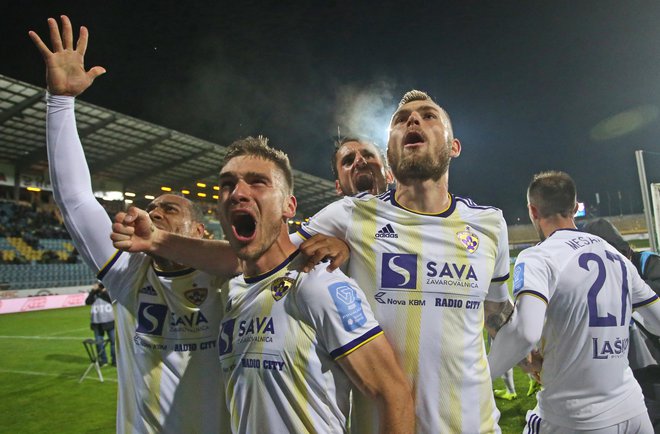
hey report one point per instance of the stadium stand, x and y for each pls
(37, 251)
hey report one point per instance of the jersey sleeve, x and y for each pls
(532, 276)
(502, 261)
(331, 221)
(337, 309)
(85, 219)
(498, 290)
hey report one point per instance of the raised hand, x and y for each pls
(65, 68)
(133, 231)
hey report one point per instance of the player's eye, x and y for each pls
(259, 181)
(226, 185)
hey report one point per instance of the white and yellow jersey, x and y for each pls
(426, 278)
(281, 335)
(591, 290)
(167, 330)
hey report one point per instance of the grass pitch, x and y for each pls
(42, 358)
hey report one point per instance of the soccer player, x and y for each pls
(291, 342)
(575, 294)
(358, 165)
(432, 265)
(167, 315)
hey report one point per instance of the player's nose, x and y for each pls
(240, 191)
(360, 161)
(413, 119)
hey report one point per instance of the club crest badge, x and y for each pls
(280, 287)
(197, 296)
(469, 239)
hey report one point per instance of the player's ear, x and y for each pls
(338, 189)
(290, 205)
(455, 148)
(198, 230)
(389, 176)
(533, 211)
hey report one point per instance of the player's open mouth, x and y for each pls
(413, 138)
(244, 226)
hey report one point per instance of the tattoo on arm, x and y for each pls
(495, 320)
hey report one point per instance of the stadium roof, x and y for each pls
(139, 155)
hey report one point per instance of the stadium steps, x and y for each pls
(29, 276)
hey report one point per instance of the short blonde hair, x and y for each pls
(418, 95)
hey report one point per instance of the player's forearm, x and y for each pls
(212, 256)
(516, 339)
(397, 410)
(85, 219)
(496, 314)
(68, 168)
(507, 350)
(374, 369)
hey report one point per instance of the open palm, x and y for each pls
(65, 67)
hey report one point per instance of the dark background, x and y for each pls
(530, 86)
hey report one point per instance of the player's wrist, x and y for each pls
(158, 240)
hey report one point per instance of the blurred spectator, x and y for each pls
(102, 322)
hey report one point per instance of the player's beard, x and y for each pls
(364, 182)
(420, 167)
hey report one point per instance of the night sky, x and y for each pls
(529, 87)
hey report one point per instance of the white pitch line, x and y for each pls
(68, 331)
(46, 374)
(53, 338)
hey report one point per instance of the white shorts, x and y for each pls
(640, 424)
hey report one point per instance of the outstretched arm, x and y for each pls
(85, 219)
(373, 368)
(133, 231)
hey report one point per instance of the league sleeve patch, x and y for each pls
(518, 277)
(349, 305)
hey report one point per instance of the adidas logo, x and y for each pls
(386, 232)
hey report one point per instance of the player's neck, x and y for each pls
(553, 224)
(428, 196)
(277, 253)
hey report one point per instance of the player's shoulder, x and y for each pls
(320, 279)
(466, 204)
(557, 248)
(366, 197)
(319, 276)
